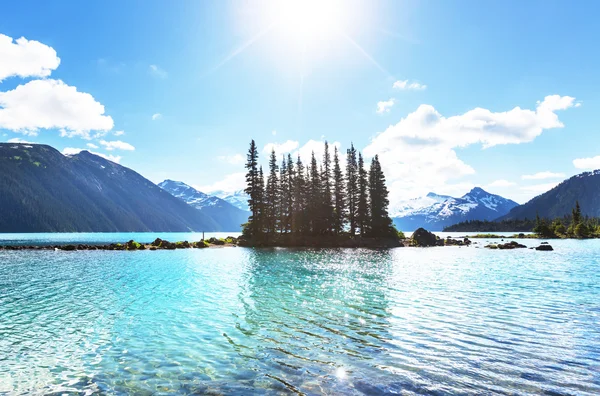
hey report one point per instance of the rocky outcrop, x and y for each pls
(545, 247)
(423, 238)
(505, 246)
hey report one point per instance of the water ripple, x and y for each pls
(239, 321)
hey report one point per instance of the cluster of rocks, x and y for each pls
(423, 238)
(158, 244)
(504, 246)
(515, 245)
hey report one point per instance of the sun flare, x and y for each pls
(309, 21)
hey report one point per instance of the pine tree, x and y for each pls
(299, 199)
(352, 188)
(381, 224)
(339, 196)
(283, 196)
(362, 210)
(253, 191)
(261, 203)
(315, 199)
(272, 196)
(576, 213)
(289, 199)
(327, 198)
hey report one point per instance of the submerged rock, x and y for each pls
(505, 246)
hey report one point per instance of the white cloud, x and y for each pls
(158, 72)
(156, 116)
(18, 140)
(26, 58)
(385, 106)
(235, 159)
(49, 104)
(281, 148)
(116, 145)
(92, 146)
(317, 147)
(119, 133)
(230, 183)
(591, 163)
(405, 85)
(418, 153)
(501, 183)
(69, 151)
(543, 175)
(540, 188)
(274, 132)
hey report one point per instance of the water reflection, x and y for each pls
(269, 321)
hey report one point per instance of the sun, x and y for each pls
(309, 21)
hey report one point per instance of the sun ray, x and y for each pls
(365, 54)
(242, 48)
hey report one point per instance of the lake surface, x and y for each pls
(270, 321)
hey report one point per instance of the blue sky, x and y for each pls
(451, 94)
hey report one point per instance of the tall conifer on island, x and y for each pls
(289, 197)
(352, 187)
(299, 203)
(362, 209)
(327, 202)
(339, 196)
(272, 196)
(253, 191)
(315, 202)
(381, 224)
(261, 203)
(317, 199)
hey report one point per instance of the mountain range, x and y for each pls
(560, 200)
(42, 190)
(434, 212)
(228, 216)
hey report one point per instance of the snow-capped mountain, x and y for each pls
(434, 212)
(228, 216)
(405, 208)
(239, 198)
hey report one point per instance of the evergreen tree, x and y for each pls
(272, 196)
(283, 196)
(352, 190)
(253, 191)
(299, 203)
(289, 197)
(327, 198)
(576, 213)
(339, 214)
(315, 198)
(381, 224)
(362, 209)
(261, 203)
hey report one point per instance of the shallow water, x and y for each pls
(235, 320)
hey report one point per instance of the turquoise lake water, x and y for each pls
(276, 321)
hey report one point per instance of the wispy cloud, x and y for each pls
(501, 183)
(116, 145)
(543, 175)
(156, 116)
(156, 71)
(385, 106)
(235, 159)
(281, 148)
(405, 85)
